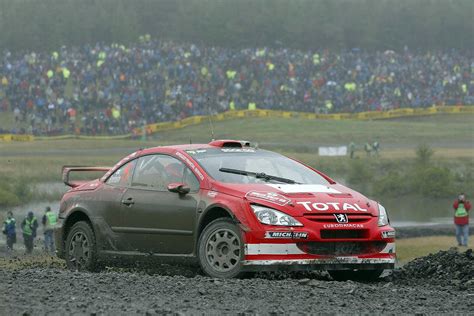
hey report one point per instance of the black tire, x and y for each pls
(355, 275)
(221, 249)
(80, 248)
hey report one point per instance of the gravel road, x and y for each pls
(44, 287)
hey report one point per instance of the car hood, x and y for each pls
(302, 199)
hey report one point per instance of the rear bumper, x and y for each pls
(59, 238)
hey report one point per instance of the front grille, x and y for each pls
(342, 248)
(344, 234)
(330, 218)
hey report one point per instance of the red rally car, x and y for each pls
(232, 207)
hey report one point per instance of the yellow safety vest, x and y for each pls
(27, 229)
(66, 73)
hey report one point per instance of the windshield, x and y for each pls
(253, 161)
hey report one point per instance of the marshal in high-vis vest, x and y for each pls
(461, 208)
(50, 219)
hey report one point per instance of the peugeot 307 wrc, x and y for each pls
(232, 207)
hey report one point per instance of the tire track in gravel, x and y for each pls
(57, 291)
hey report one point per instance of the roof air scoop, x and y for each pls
(228, 143)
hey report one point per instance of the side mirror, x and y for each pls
(179, 188)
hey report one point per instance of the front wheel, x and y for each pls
(357, 275)
(80, 248)
(220, 249)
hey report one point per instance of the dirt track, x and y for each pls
(37, 286)
(46, 291)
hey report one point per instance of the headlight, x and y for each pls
(269, 216)
(383, 216)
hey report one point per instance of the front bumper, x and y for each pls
(288, 256)
(318, 264)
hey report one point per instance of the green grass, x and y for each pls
(28, 159)
(67, 144)
(37, 260)
(449, 129)
(411, 248)
(44, 169)
(41, 161)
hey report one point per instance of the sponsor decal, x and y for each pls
(303, 188)
(347, 225)
(212, 194)
(388, 234)
(341, 218)
(198, 172)
(287, 234)
(336, 206)
(238, 150)
(193, 152)
(190, 164)
(268, 196)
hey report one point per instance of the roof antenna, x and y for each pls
(210, 119)
(212, 127)
(190, 140)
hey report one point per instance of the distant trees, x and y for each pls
(368, 24)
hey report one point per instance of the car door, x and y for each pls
(156, 220)
(109, 207)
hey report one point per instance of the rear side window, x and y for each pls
(123, 175)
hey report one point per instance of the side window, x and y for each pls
(155, 172)
(191, 180)
(123, 175)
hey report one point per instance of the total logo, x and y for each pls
(318, 206)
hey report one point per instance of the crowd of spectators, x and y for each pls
(112, 89)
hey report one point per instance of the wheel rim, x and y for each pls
(79, 250)
(223, 250)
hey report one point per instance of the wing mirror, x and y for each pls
(180, 188)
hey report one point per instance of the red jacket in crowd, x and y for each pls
(465, 219)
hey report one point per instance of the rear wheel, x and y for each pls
(220, 249)
(356, 275)
(80, 248)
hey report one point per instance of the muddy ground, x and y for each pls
(440, 283)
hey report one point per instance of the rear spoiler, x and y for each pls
(68, 169)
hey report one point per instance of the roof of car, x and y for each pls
(213, 144)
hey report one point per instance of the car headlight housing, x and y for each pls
(269, 216)
(383, 216)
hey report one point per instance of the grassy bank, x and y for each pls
(397, 171)
(405, 132)
(411, 248)
(440, 177)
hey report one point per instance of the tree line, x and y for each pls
(305, 24)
